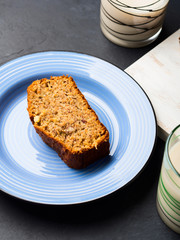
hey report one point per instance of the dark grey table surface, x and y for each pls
(129, 213)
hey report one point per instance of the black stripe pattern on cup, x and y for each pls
(133, 32)
(141, 8)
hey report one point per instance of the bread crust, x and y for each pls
(74, 159)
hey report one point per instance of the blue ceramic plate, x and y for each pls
(32, 171)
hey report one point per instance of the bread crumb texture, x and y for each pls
(59, 110)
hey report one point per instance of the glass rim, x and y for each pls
(167, 149)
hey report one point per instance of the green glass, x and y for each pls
(168, 194)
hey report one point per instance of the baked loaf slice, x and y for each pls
(65, 121)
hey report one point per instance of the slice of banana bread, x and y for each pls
(65, 121)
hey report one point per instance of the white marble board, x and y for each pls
(158, 73)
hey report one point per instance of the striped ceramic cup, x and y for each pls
(168, 195)
(132, 23)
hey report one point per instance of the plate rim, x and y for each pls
(153, 145)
